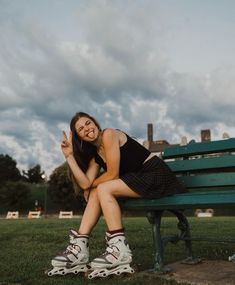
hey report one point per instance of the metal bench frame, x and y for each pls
(207, 169)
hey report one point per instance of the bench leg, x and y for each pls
(154, 218)
(185, 235)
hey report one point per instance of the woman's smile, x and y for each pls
(91, 134)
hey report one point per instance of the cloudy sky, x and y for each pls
(126, 62)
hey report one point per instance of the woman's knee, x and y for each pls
(100, 188)
(103, 189)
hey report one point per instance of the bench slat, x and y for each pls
(183, 201)
(220, 162)
(208, 180)
(227, 145)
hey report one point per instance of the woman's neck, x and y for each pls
(98, 141)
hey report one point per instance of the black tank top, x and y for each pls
(132, 156)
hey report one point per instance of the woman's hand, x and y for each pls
(66, 145)
(86, 194)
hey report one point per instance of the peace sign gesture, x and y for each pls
(66, 144)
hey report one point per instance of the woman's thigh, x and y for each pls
(118, 188)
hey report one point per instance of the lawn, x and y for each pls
(27, 247)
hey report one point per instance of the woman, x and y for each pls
(130, 170)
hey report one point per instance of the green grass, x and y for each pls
(27, 247)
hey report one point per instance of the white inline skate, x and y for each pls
(116, 259)
(74, 259)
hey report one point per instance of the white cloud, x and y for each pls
(107, 58)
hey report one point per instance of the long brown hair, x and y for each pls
(83, 151)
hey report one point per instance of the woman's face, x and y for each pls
(86, 129)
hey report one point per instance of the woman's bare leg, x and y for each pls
(107, 194)
(91, 214)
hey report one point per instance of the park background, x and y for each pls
(126, 62)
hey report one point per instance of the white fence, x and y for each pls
(66, 215)
(208, 213)
(12, 215)
(37, 215)
(34, 214)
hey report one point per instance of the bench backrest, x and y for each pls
(208, 164)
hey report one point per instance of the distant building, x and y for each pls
(205, 135)
(158, 146)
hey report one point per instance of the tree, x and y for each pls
(14, 194)
(8, 169)
(61, 189)
(34, 174)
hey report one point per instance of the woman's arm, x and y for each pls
(110, 140)
(84, 180)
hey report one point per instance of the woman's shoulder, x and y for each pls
(108, 132)
(111, 133)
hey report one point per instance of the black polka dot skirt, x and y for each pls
(154, 180)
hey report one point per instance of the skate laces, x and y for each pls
(72, 248)
(72, 236)
(111, 247)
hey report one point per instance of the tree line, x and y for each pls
(16, 186)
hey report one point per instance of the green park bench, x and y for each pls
(207, 169)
